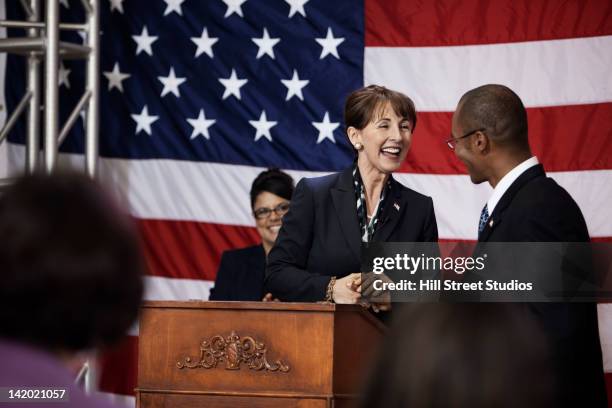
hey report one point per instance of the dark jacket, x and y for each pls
(240, 275)
(536, 209)
(320, 236)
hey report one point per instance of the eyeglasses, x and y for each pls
(452, 142)
(265, 212)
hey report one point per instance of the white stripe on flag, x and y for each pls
(604, 315)
(120, 401)
(458, 202)
(160, 288)
(218, 193)
(436, 77)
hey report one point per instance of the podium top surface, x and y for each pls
(289, 306)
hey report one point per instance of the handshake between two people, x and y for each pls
(358, 288)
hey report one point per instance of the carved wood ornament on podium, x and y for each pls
(234, 351)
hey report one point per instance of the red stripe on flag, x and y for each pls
(119, 367)
(190, 250)
(565, 138)
(397, 23)
(608, 378)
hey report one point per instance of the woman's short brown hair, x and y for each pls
(362, 105)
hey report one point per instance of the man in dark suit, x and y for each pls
(489, 135)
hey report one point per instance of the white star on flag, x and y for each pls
(116, 5)
(263, 127)
(171, 83)
(233, 6)
(64, 3)
(294, 86)
(204, 43)
(232, 85)
(173, 5)
(115, 78)
(201, 125)
(63, 76)
(297, 6)
(144, 41)
(144, 120)
(326, 128)
(329, 44)
(265, 44)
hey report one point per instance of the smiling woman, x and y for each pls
(317, 253)
(241, 271)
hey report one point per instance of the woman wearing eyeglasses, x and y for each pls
(241, 271)
(317, 254)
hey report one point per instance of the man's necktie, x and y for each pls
(484, 216)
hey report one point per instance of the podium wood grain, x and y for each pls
(327, 349)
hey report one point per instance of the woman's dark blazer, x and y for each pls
(240, 275)
(320, 236)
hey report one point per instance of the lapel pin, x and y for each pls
(396, 206)
(491, 224)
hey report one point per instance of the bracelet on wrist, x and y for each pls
(329, 294)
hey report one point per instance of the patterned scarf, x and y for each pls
(367, 228)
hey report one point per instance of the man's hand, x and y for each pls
(379, 300)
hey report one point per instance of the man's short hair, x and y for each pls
(497, 109)
(70, 264)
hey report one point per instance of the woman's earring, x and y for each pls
(358, 146)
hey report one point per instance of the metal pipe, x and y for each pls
(33, 84)
(21, 44)
(74, 50)
(93, 85)
(51, 84)
(27, 8)
(15, 115)
(38, 24)
(27, 45)
(74, 115)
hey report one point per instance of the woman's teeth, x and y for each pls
(394, 151)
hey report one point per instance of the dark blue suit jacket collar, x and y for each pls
(497, 216)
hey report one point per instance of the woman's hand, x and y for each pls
(268, 298)
(345, 291)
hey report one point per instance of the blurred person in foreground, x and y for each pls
(490, 136)
(241, 272)
(461, 356)
(70, 281)
(317, 254)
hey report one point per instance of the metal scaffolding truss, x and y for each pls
(42, 44)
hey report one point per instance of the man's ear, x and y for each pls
(354, 135)
(482, 142)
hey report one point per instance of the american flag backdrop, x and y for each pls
(199, 96)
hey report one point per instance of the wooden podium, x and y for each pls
(253, 354)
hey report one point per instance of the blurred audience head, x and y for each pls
(462, 355)
(270, 196)
(70, 264)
